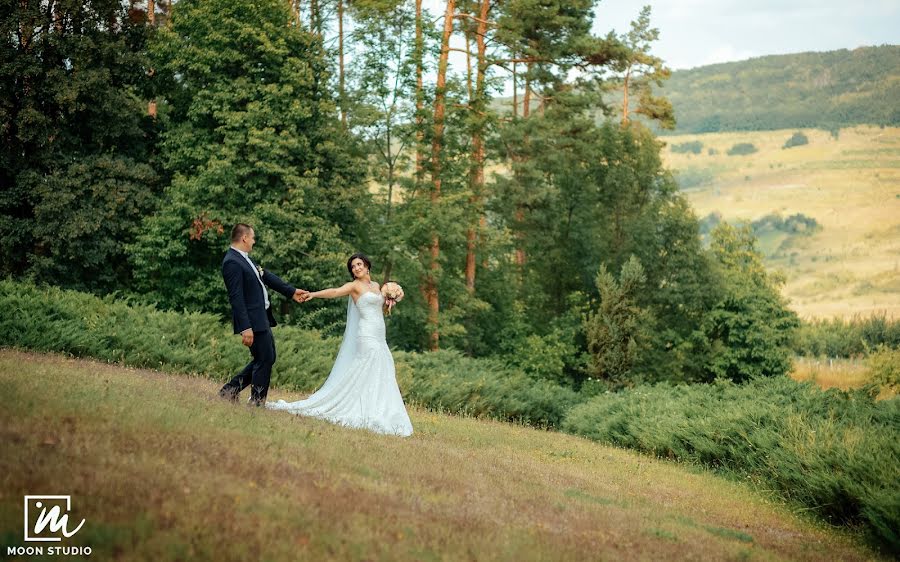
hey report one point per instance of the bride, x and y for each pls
(361, 390)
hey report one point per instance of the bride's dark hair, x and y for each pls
(365, 259)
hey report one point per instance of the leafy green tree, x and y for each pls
(750, 327)
(545, 35)
(682, 287)
(549, 201)
(382, 108)
(414, 223)
(582, 186)
(76, 146)
(251, 135)
(85, 215)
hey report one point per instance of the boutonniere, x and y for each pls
(259, 270)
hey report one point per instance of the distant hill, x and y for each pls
(825, 90)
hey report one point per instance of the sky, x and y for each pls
(700, 32)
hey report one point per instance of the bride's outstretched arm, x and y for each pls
(333, 293)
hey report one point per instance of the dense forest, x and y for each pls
(826, 90)
(135, 135)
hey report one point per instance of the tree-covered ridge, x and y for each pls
(824, 90)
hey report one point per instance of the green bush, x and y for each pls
(710, 222)
(837, 453)
(797, 139)
(884, 368)
(846, 338)
(797, 223)
(741, 149)
(694, 176)
(553, 357)
(449, 381)
(50, 319)
(694, 147)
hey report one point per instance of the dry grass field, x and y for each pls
(849, 184)
(161, 470)
(844, 374)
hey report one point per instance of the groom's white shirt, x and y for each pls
(253, 267)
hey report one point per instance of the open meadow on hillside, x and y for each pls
(849, 183)
(161, 470)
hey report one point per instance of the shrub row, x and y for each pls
(846, 338)
(112, 329)
(835, 452)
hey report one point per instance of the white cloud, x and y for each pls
(698, 32)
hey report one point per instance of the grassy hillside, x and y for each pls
(850, 185)
(812, 90)
(160, 470)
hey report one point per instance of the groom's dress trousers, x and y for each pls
(250, 309)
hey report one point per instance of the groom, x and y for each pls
(252, 315)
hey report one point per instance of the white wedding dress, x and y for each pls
(361, 390)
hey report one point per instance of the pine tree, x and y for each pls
(639, 71)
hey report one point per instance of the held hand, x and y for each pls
(247, 337)
(301, 296)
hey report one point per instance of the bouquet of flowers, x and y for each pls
(392, 293)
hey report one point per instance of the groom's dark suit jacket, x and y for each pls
(248, 305)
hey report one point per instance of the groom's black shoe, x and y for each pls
(228, 393)
(257, 396)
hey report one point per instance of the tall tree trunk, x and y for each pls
(436, 146)
(420, 99)
(388, 263)
(526, 107)
(515, 89)
(520, 236)
(625, 97)
(473, 170)
(477, 172)
(295, 12)
(151, 20)
(342, 93)
(468, 34)
(520, 208)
